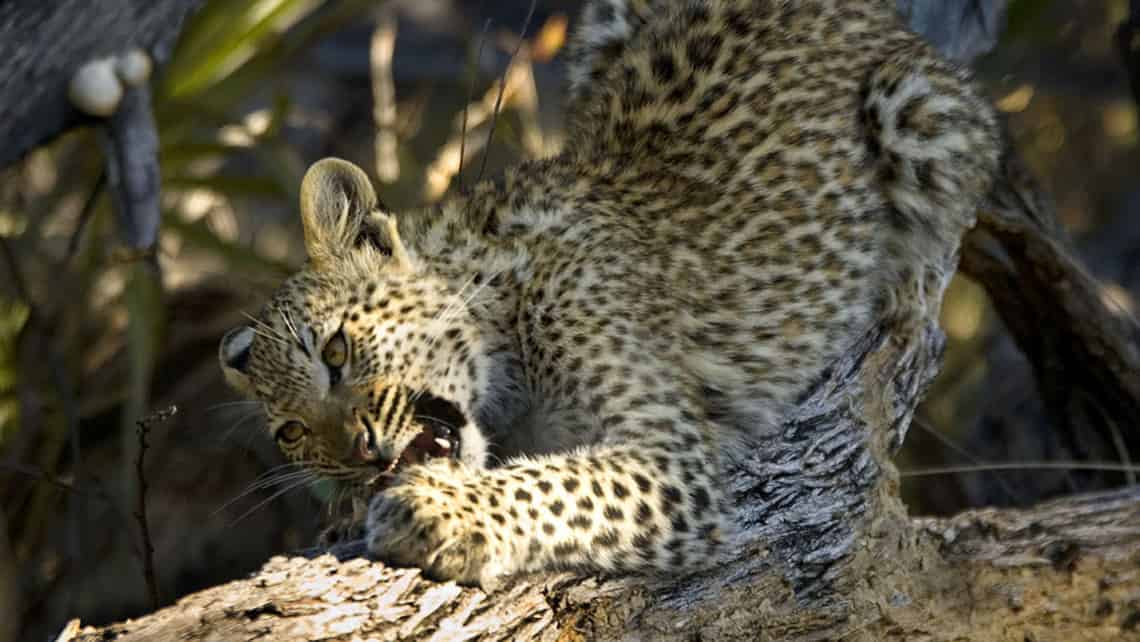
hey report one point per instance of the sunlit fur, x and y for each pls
(747, 185)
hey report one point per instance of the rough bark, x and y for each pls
(1066, 570)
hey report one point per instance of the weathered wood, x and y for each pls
(1065, 570)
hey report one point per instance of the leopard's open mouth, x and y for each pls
(440, 421)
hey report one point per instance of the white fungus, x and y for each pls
(133, 67)
(95, 89)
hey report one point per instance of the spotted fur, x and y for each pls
(748, 185)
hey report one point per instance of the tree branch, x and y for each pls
(1085, 350)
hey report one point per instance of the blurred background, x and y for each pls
(255, 92)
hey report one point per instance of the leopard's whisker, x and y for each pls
(334, 503)
(267, 331)
(287, 318)
(230, 404)
(277, 468)
(261, 484)
(269, 337)
(272, 497)
(252, 414)
(438, 421)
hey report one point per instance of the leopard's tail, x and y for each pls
(936, 146)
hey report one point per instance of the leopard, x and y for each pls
(554, 369)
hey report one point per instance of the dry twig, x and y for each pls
(503, 84)
(516, 89)
(144, 426)
(471, 91)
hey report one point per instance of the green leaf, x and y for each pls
(224, 36)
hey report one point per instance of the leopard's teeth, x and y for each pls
(443, 443)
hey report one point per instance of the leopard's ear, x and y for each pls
(337, 207)
(233, 354)
(390, 238)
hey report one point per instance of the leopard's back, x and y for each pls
(755, 180)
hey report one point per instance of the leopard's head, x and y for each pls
(366, 359)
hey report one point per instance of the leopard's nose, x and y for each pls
(364, 449)
(365, 452)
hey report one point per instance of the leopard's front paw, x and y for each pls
(349, 527)
(341, 532)
(427, 520)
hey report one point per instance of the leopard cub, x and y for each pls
(549, 372)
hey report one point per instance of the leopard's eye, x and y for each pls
(291, 432)
(335, 353)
